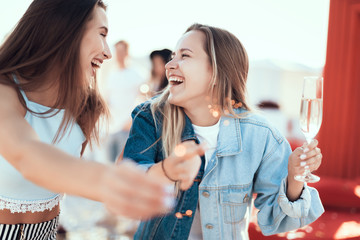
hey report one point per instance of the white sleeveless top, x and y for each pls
(20, 195)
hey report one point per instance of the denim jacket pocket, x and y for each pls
(234, 204)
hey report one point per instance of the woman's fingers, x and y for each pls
(306, 157)
(125, 208)
(131, 173)
(184, 163)
(299, 151)
(310, 154)
(187, 150)
(313, 162)
(131, 193)
(308, 147)
(186, 183)
(189, 171)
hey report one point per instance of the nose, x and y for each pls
(172, 64)
(107, 53)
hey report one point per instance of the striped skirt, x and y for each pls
(37, 231)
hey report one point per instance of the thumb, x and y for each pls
(186, 184)
(201, 149)
(184, 152)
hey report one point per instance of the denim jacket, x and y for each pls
(250, 157)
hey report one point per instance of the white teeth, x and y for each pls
(96, 62)
(175, 79)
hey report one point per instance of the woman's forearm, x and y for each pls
(294, 189)
(58, 171)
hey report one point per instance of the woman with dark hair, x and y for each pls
(158, 79)
(206, 103)
(49, 111)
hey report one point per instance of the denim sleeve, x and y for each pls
(276, 213)
(142, 142)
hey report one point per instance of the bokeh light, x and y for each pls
(180, 150)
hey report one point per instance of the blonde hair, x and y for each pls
(229, 61)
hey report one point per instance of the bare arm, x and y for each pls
(125, 189)
(180, 166)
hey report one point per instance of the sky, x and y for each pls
(290, 30)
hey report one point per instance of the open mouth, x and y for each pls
(95, 64)
(175, 80)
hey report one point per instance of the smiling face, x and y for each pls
(189, 72)
(94, 48)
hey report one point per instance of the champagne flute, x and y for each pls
(311, 112)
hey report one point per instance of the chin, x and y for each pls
(174, 101)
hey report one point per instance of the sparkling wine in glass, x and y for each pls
(311, 112)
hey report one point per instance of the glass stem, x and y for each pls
(307, 170)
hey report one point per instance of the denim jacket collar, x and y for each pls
(229, 129)
(188, 132)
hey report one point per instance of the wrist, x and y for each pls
(292, 182)
(165, 173)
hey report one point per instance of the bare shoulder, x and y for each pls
(9, 101)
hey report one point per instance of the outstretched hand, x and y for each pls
(130, 192)
(184, 163)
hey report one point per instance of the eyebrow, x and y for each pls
(105, 28)
(185, 49)
(182, 50)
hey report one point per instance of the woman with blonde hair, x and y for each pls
(201, 135)
(49, 111)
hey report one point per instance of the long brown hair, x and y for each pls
(230, 66)
(48, 37)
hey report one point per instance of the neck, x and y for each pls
(201, 116)
(121, 64)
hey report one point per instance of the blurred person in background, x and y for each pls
(122, 89)
(158, 80)
(50, 108)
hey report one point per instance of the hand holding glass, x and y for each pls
(311, 116)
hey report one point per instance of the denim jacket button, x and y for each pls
(209, 226)
(206, 194)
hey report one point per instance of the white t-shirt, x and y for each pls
(208, 135)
